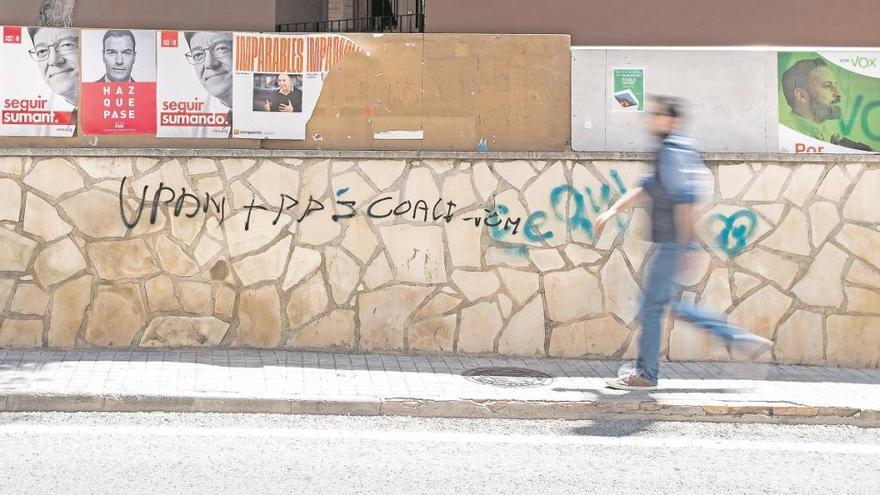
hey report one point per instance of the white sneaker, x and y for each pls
(629, 378)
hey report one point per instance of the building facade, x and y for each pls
(589, 22)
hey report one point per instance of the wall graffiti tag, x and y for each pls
(495, 217)
(584, 203)
(178, 199)
(736, 231)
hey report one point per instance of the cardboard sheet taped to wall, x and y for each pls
(512, 91)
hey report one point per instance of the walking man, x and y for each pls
(678, 181)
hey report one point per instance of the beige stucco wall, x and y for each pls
(73, 275)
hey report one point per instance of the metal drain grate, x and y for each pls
(508, 377)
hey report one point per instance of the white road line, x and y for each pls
(443, 437)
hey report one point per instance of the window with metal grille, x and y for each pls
(369, 16)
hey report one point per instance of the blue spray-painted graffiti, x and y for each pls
(578, 221)
(736, 230)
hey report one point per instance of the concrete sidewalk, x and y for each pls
(287, 382)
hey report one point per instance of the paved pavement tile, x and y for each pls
(288, 375)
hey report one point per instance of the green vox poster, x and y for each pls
(629, 90)
(829, 102)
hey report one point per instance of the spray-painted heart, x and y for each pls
(733, 237)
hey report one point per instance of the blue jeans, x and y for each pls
(659, 288)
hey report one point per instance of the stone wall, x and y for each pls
(468, 253)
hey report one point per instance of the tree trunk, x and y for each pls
(56, 13)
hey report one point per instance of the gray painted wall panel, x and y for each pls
(732, 96)
(587, 99)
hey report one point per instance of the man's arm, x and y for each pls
(631, 197)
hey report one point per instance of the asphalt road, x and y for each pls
(212, 453)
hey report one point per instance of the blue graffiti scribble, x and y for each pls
(578, 219)
(607, 198)
(532, 228)
(482, 147)
(733, 237)
(617, 180)
(517, 250)
(342, 191)
(499, 232)
(496, 231)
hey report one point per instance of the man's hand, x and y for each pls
(603, 219)
(267, 106)
(623, 203)
(286, 107)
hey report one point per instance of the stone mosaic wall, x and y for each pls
(486, 257)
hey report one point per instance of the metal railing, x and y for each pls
(406, 23)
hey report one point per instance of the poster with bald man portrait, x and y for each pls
(278, 80)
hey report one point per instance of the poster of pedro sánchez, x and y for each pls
(39, 81)
(118, 81)
(194, 84)
(278, 79)
(829, 102)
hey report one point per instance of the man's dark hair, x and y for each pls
(672, 106)
(798, 76)
(119, 33)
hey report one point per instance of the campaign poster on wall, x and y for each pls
(118, 81)
(194, 84)
(39, 83)
(278, 79)
(829, 102)
(628, 93)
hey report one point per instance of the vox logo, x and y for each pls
(863, 62)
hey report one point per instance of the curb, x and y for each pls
(452, 408)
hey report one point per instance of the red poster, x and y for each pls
(118, 81)
(119, 108)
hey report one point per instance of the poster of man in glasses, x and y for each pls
(194, 89)
(39, 83)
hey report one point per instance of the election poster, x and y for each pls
(278, 79)
(118, 81)
(829, 102)
(628, 93)
(194, 84)
(39, 83)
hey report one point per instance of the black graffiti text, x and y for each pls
(164, 195)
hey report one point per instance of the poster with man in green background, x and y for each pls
(829, 102)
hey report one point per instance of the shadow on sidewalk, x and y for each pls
(612, 428)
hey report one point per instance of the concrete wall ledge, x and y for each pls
(427, 155)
